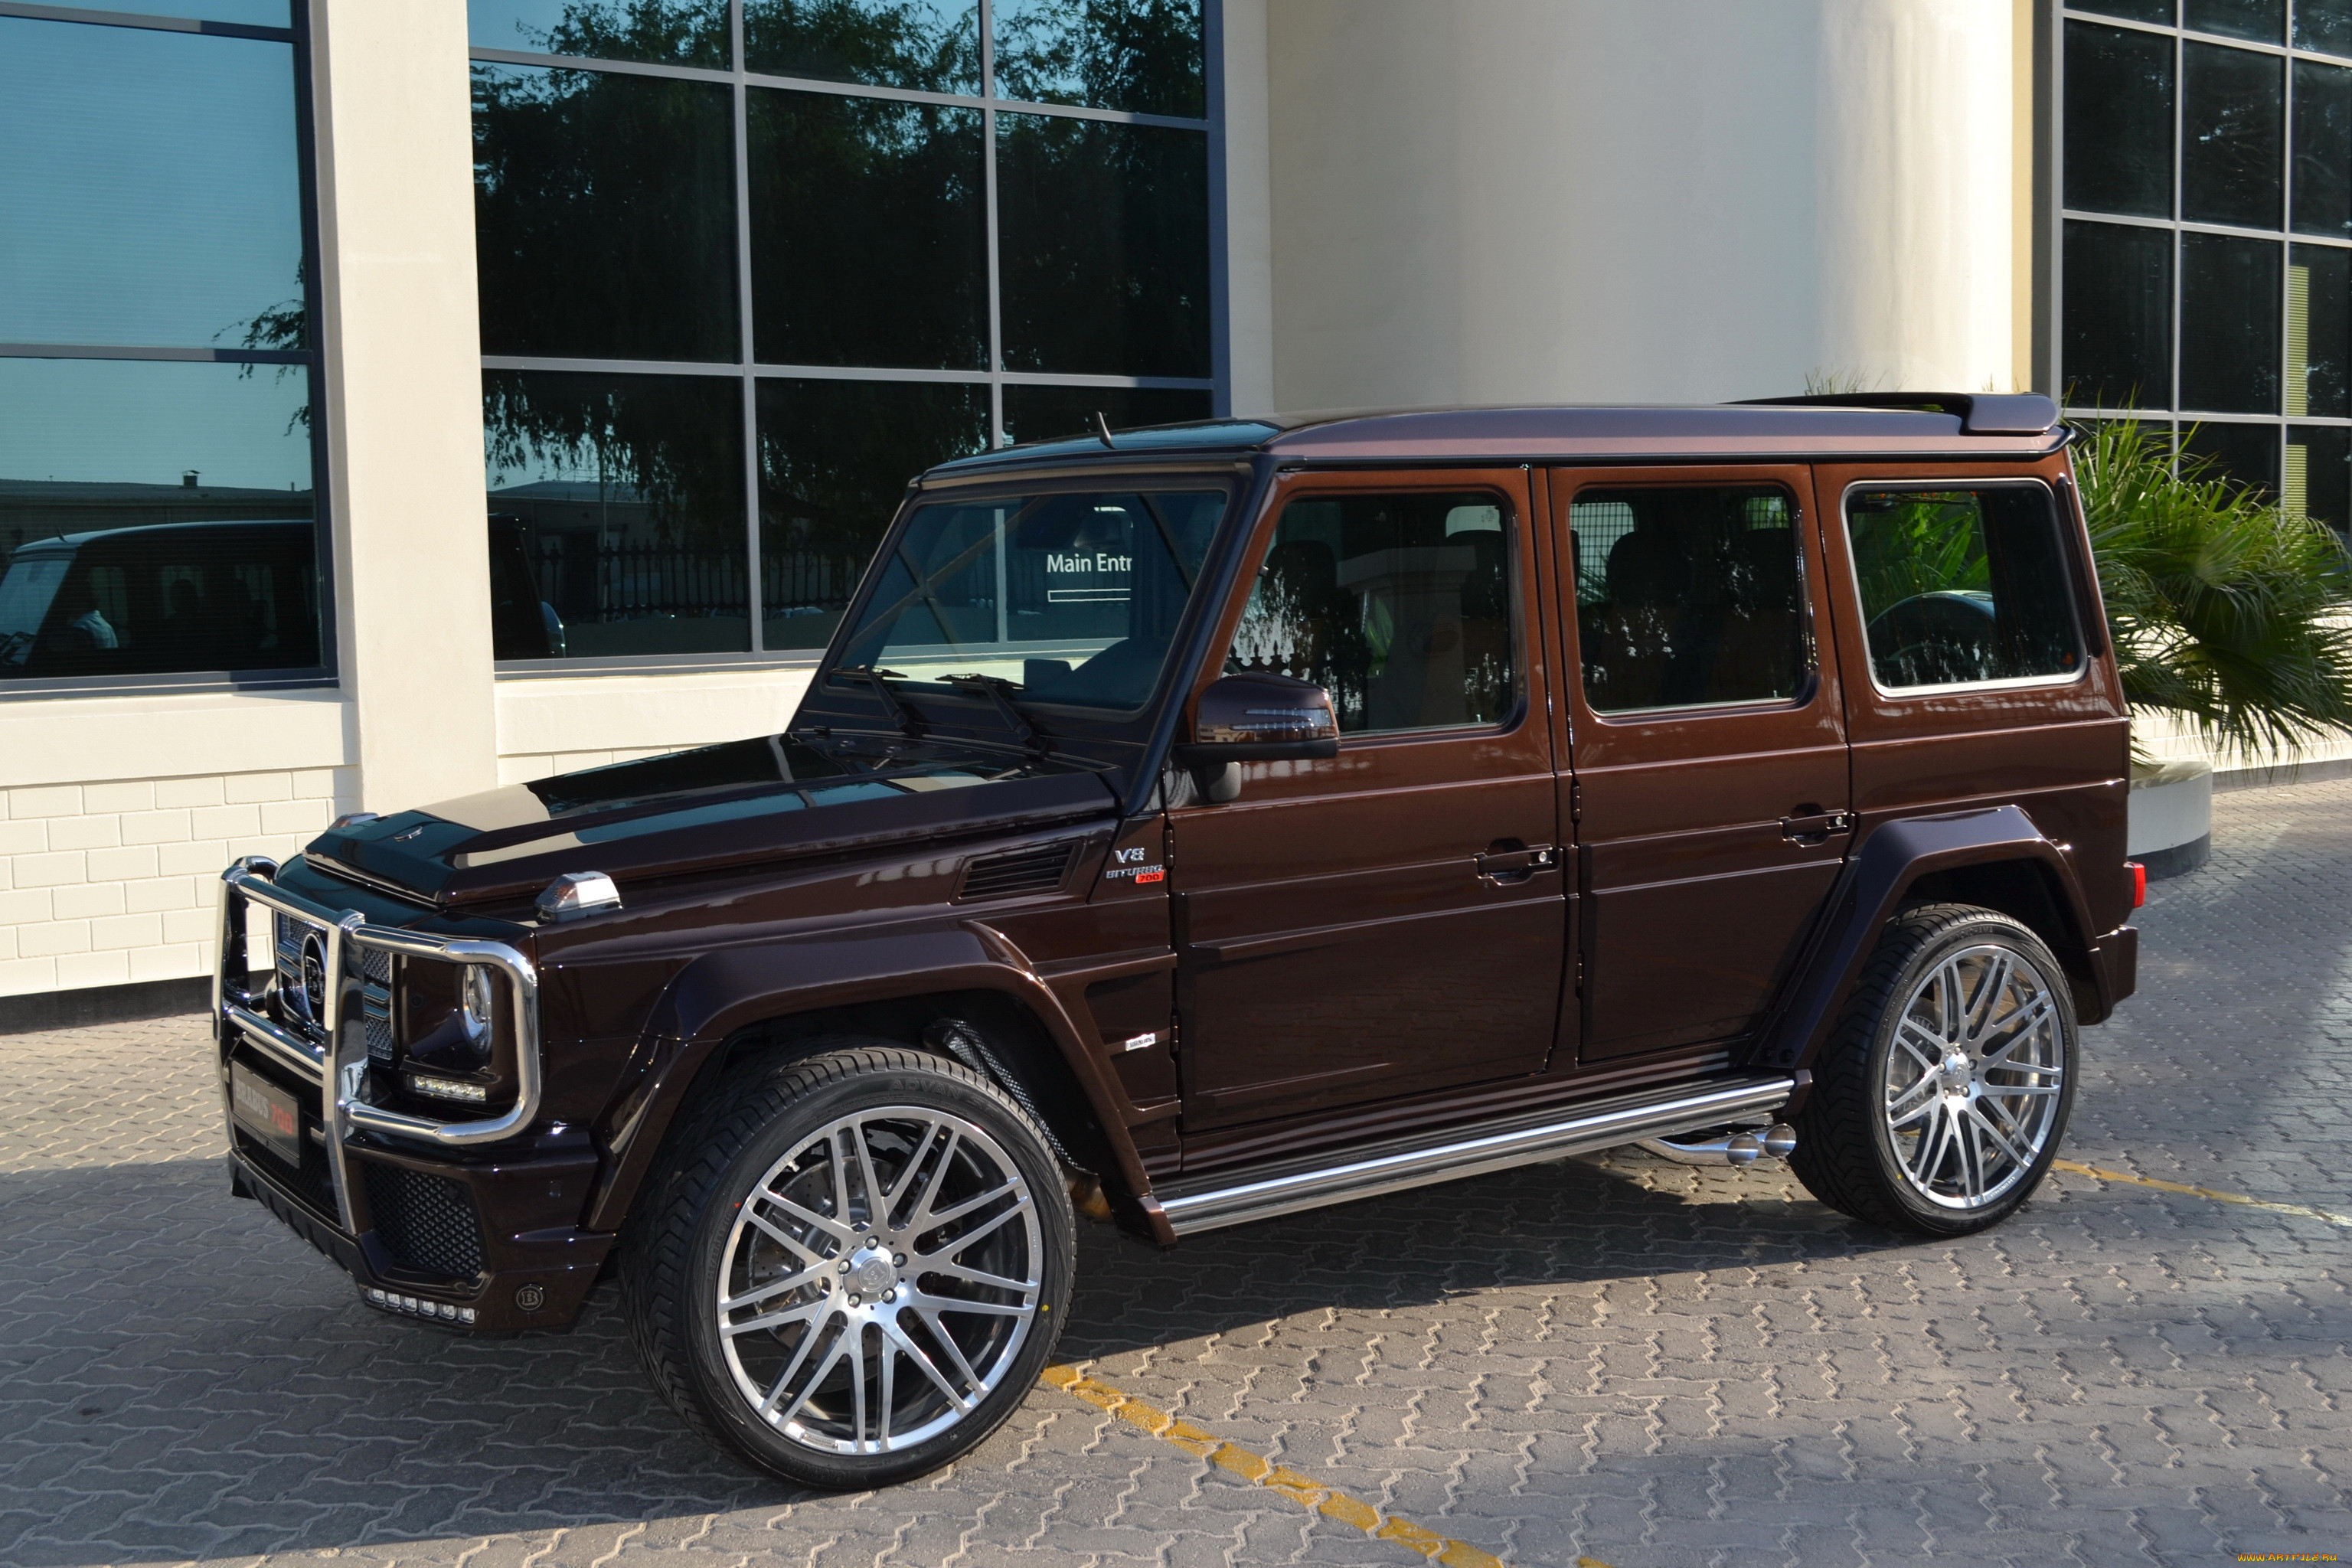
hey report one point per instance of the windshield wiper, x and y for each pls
(910, 724)
(996, 689)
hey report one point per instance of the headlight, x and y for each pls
(478, 1007)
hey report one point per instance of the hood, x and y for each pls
(735, 805)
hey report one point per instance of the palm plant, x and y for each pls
(2235, 615)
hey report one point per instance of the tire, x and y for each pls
(1938, 1103)
(745, 1292)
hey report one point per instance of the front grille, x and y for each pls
(426, 1222)
(1039, 870)
(375, 1004)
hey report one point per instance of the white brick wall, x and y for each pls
(104, 884)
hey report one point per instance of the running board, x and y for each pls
(1211, 1202)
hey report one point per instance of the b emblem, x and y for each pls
(311, 995)
(530, 1298)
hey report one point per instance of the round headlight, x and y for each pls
(477, 1005)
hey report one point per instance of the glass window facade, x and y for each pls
(2205, 240)
(158, 522)
(748, 266)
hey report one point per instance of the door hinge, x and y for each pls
(1575, 802)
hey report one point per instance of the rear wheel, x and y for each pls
(858, 1268)
(1938, 1104)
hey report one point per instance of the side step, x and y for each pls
(1211, 1202)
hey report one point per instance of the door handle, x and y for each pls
(1501, 865)
(1812, 825)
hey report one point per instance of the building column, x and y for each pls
(402, 343)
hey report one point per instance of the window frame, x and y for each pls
(749, 371)
(1806, 689)
(2066, 564)
(296, 35)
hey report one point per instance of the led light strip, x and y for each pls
(439, 1311)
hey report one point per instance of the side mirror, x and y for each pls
(1256, 718)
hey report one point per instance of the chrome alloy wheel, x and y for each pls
(1973, 1077)
(879, 1281)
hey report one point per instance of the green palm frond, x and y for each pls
(2229, 612)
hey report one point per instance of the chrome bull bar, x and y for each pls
(333, 1053)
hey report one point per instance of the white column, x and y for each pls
(1675, 200)
(402, 347)
(1249, 209)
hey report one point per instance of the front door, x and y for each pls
(1709, 744)
(1392, 921)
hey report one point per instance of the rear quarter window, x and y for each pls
(1961, 585)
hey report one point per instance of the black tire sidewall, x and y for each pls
(1983, 930)
(918, 1082)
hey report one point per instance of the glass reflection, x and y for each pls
(2247, 455)
(163, 207)
(1045, 413)
(2157, 11)
(605, 215)
(2322, 149)
(1104, 246)
(834, 459)
(154, 517)
(2229, 324)
(659, 32)
(621, 497)
(869, 232)
(2118, 310)
(933, 46)
(2231, 106)
(2264, 21)
(2325, 25)
(248, 13)
(2318, 477)
(2118, 121)
(2319, 332)
(1138, 55)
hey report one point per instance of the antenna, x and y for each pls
(1102, 431)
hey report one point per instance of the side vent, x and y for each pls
(1017, 871)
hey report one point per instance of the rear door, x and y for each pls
(1709, 753)
(1392, 921)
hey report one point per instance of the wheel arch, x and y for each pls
(1994, 858)
(779, 1000)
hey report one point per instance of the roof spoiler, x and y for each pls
(1980, 413)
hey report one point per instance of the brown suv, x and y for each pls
(1209, 822)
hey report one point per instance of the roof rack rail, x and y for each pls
(1980, 413)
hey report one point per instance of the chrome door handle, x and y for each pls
(1816, 825)
(1516, 865)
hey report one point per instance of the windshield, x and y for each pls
(1071, 597)
(25, 595)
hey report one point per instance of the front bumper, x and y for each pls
(466, 1224)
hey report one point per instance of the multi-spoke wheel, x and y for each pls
(859, 1270)
(1937, 1106)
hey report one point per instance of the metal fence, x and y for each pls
(630, 582)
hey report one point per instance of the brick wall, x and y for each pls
(104, 884)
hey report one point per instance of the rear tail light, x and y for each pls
(2139, 882)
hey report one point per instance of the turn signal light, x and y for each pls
(2139, 882)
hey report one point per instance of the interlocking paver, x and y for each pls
(1614, 1356)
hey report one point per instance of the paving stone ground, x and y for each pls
(1612, 1356)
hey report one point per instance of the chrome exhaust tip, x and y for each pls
(1780, 1140)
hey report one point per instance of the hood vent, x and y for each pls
(1017, 871)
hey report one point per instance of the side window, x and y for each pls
(1689, 597)
(1399, 606)
(1961, 585)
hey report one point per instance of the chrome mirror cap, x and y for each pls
(578, 893)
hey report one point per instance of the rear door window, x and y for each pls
(1689, 597)
(1962, 586)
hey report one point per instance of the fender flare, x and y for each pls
(1897, 854)
(728, 989)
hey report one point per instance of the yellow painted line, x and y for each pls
(1305, 1490)
(2299, 1210)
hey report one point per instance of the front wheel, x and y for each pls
(1937, 1106)
(857, 1271)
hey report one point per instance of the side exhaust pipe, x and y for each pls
(1727, 1148)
